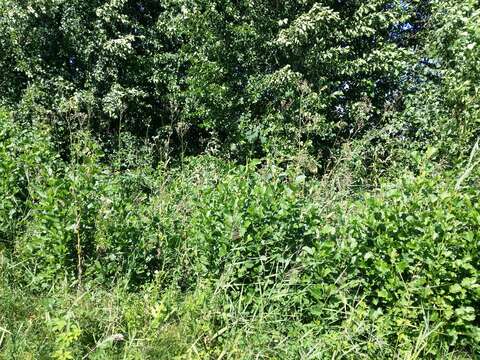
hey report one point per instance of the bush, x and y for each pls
(408, 256)
(24, 155)
(396, 270)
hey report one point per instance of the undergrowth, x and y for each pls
(217, 260)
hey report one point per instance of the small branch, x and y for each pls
(470, 165)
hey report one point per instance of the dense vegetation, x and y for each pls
(239, 179)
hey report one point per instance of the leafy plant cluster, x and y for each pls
(237, 78)
(253, 179)
(246, 244)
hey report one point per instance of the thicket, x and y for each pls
(237, 78)
(254, 179)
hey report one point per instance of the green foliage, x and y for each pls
(24, 154)
(441, 102)
(248, 229)
(395, 272)
(258, 243)
(241, 77)
(346, 224)
(407, 253)
(455, 45)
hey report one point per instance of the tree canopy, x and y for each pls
(248, 77)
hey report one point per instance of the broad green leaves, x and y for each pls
(410, 249)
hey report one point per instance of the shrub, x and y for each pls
(408, 254)
(24, 154)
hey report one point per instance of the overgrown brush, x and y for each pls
(125, 232)
(222, 253)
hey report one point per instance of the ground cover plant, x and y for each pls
(239, 179)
